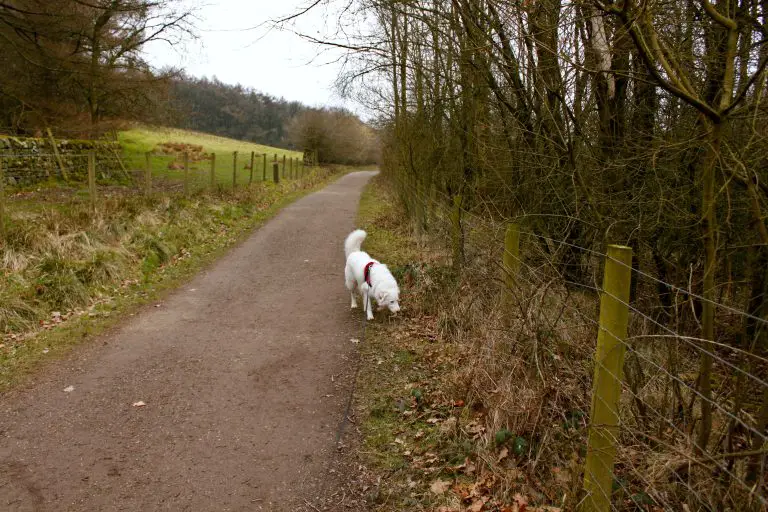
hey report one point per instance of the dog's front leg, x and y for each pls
(368, 305)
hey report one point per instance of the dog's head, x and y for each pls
(389, 299)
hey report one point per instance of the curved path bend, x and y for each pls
(244, 371)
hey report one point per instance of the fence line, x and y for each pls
(21, 168)
(737, 450)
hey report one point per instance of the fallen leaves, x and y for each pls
(429, 417)
(439, 487)
(449, 426)
(478, 504)
(475, 429)
(467, 467)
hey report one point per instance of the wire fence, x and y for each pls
(195, 169)
(601, 376)
(35, 177)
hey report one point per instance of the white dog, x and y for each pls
(372, 278)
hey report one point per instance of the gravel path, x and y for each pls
(244, 371)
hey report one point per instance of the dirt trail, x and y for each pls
(244, 372)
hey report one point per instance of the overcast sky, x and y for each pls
(272, 61)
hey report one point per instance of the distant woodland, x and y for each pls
(78, 67)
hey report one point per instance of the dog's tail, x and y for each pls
(354, 241)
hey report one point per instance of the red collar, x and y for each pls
(367, 272)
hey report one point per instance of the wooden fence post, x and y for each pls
(213, 171)
(264, 170)
(283, 166)
(186, 173)
(234, 170)
(607, 380)
(274, 162)
(2, 201)
(511, 259)
(458, 234)
(276, 171)
(253, 155)
(148, 173)
(92, 178)
(55, 149)
(291, 164)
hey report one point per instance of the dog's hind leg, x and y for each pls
(349, 281)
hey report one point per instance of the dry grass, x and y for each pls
(522, 369)
(61, 261)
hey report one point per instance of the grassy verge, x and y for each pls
(66, 272)
(424, 432)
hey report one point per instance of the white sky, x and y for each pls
(275, 62)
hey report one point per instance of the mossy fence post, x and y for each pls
(234, 170)
(92, 178)
(458, 234)
(56, 154)
(186, 173)
(607, 380)
(213, 171)
(276, 171)
(148, 173)
(283, 166)
(511, 258)
(253, 156)
(264, 169)
(2, 200)
(291, 161)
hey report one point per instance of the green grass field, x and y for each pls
(136, 142)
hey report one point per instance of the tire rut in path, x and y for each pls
(241, 371)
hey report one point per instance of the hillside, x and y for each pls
(141, 139)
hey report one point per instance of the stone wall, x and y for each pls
(27, 160)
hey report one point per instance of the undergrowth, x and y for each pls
(478, 399)
(63, 266)
(450, 405)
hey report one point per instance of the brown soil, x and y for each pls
(245, 373)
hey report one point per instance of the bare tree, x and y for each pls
(83, 54)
